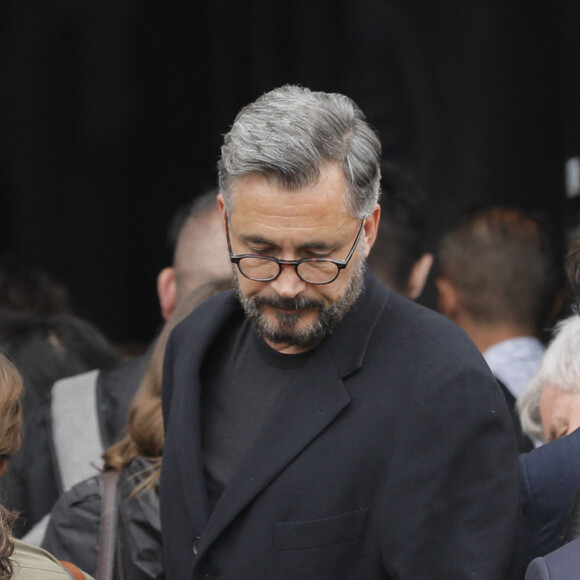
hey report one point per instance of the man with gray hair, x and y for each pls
(317, 424)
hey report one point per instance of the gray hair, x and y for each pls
(560, 367)
(288, 135)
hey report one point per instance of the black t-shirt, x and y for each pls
(244, 381)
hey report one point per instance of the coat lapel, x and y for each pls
(187, 408)
(190, 457)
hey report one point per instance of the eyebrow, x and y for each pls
(314, 245)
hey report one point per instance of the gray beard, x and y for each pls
(284, 331)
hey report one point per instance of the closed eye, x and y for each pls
(318, 256)
(557, 433)
(318, 251)
(269, 251)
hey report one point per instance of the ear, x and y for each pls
(167, 291)
(223, 213)
(418, 277)
(371, 228)
(448, 299)
(556, 309)
(3, 466)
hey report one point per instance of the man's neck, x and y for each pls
(485, 336)
(289, 348)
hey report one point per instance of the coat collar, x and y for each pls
(347, 345)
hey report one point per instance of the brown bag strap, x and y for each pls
(73, 570)
(108, 528)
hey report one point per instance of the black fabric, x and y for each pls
(573, 524)
(523, 442)
(115, 391)
(550, 477)
(73, 531)
(243, 382)
(394, 425)
(139, 524)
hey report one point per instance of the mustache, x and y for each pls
(297, 303)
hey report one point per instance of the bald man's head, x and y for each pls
(200, 254)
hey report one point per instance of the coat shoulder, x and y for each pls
(561, 564)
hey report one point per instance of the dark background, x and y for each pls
(112, 112)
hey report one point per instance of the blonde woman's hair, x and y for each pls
(145, 436)
(11, 390)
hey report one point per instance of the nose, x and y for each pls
(288, 284)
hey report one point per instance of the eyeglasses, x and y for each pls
(311, 270)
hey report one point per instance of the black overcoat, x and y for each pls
(391, 456)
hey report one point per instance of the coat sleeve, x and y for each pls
(73, 531)
(562, 564)
(167, 390)
(450, 508)
(538, 570)
(550, 476)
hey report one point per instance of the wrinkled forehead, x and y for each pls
(267, 211)
(329, 186)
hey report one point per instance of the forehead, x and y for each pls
(263, 201)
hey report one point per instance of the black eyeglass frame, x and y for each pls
(340, 264)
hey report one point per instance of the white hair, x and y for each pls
(560, 367)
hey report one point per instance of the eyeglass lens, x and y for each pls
(315, 271)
